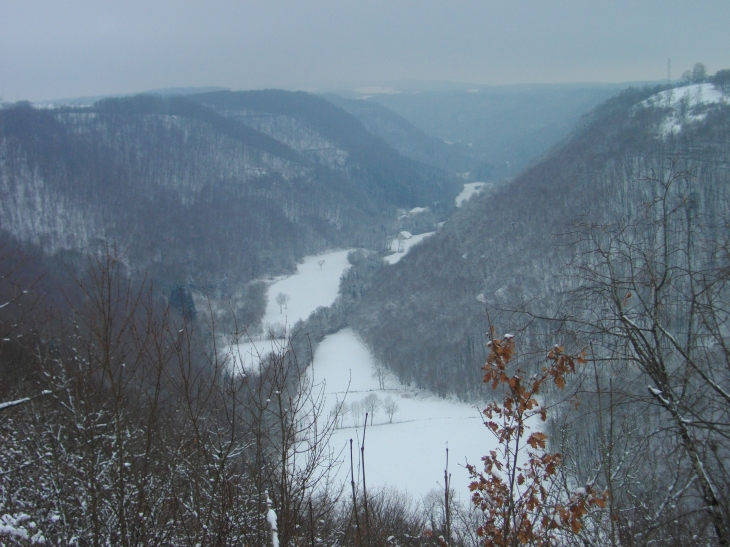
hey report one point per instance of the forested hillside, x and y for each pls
(614, 249)
(500, 128)
(408, 139)
(200, 198)
(425, 316)
(121, 422)
(343, 142)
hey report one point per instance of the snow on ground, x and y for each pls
(410, 452)
(312, 286)
(309, 288)
(20, 526)
(695, 94)
(246, 356)
(469, 190)
(686, 103)
(405, 245)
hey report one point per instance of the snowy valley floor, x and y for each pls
(409, 453)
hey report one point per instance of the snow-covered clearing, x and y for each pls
(695, 94)
(688, 104)
(405, 246)
(246, 356)
(469, 190)
(315, 284)
(409, 453)
(311, 287)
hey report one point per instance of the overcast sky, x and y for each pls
(70, 48)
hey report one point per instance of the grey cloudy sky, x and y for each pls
(53, 49)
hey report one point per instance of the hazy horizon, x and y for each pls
(356, 89)
(51, 50)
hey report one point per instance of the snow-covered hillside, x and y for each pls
(469, 190)
(695, 94)
(297, 134)
(685, 104)
(401, 247)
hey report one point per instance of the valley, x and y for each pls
(203, 296)
(406, 450)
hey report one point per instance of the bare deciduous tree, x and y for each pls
(381, 374)
(282, 299)
(654, 303)
(148, 438)
(357, 412)
(391, 407)
(371, 403)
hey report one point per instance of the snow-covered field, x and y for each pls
(405, 245)
(312, 286)
(410, 452)
(469, 190)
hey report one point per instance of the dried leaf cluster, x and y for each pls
(515, 490)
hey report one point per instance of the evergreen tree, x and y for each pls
(182, 301)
